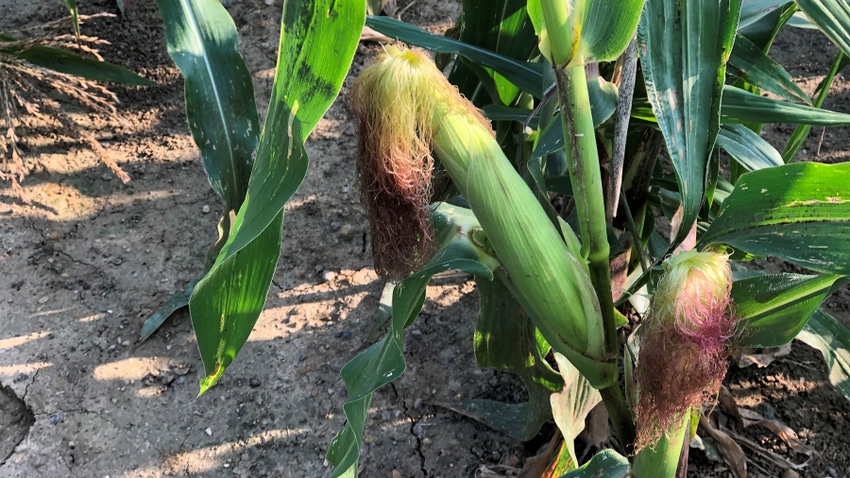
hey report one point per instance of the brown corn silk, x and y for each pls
(396, 102)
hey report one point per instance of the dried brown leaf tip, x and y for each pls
(684, 343)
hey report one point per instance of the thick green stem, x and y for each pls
(662, 459)
(586, 180)
(620, 415)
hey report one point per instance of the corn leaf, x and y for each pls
(832, 17)
(741, 107)
(571, 405)
(500, 26)
(71, 63)
(527, 76)
(750, 64)
(798, 212)
(75, 17)
(748, 148)
(683, 46)
(605, 464)
(202, 40)
(773, 308)
(384, 362)
(832, 338)
(754, 10)
(226, 303)
(505, 339)
(607, 27)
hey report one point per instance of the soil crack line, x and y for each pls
(416, 430)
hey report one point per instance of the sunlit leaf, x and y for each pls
(227, 302)
(798, 212)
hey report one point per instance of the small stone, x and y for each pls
(328, 276)
(346, 232)
(417, 403)
(71, 444)
(166, 378)
(208, 431)
(43, 299)
(205, 209)
(254, 382)
(426, 441)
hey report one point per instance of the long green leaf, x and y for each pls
(833, 19)
(832, 338)
(748, 148)
(527, 76)
(683, 47)
(71, 63)
(749, 63)
(384, 362)
(798, 212)
(741, 106)
(505, 339)
(801, 132)
(772, 309)
(202, 40)
(502, 27)
(227, 302)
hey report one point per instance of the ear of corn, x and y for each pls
(549, 281)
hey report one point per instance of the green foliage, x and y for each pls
(550, 74)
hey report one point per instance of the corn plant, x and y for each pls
(554, 145)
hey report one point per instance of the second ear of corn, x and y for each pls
(548, 279)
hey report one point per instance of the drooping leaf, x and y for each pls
(177, 301)
(832, 18)
(505, 339)
(772, 309)
(71, 63)
(202, 41)
(227, 302)
(798, 212)
(832, 338)
(527, 76)
(748, 148)
(754, 10)
(741, 106)
(749, 63)
(683, 47)
(571, 405)
(383, 362)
